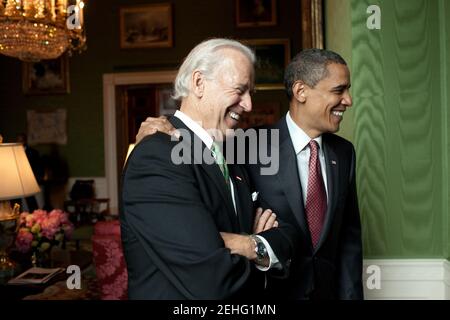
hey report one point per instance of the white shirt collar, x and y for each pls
(196, 128)
(299, 138)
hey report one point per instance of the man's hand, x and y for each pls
(239, 244)
(264, 220)
(152, 125)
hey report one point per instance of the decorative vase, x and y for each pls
(41, 259)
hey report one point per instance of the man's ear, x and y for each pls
(198, 83)
(299, 91)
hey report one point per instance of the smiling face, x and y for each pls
(322, 106)
(227, 93)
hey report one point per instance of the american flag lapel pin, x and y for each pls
(333, 162)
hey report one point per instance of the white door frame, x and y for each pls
(110, 81)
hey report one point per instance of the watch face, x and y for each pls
(261, 249)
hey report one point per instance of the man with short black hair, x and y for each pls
(315, 187)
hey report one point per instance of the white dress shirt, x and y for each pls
(208, 141)
(300, 140)
(205, 137)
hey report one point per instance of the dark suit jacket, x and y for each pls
(334, 268)
(171, 219)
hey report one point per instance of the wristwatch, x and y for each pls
(260, 248)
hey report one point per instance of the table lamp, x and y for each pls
(16, 181)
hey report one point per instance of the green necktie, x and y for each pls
(220, 160)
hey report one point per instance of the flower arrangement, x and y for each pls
(40, 230)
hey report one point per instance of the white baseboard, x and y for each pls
(408, 279)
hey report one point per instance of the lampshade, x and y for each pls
(17, 178)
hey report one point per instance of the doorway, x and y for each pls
(134, 104)
(117, 128)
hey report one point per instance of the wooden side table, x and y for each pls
(17, 292)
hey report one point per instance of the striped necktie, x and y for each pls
(220, 160)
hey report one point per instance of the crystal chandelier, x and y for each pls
(32, 30)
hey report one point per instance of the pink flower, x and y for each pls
(23, 240)
(40, 216)
(49, 233)
(50, 226)
(41, 227)
(56, 214)
(29, 220)
(53, 222)
(23, 217)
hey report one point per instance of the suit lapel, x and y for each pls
(244, 206)
(288, 177)
(216, 176)
(200, 156)
(332, 169)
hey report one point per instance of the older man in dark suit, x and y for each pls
(184, 208)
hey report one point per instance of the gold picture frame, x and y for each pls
(272, 57)
(312, 24)
(146, 26)
(250, 13)
(46, 77)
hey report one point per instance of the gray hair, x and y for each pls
(310, 66)
(205, 57)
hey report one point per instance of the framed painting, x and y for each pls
(46, 77)
(312, 23)
(146, 26)
(47, 126)
(256, 13)
(272, 57)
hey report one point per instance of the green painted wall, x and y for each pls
(194, 21)
(400, 122)
(444, 26)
